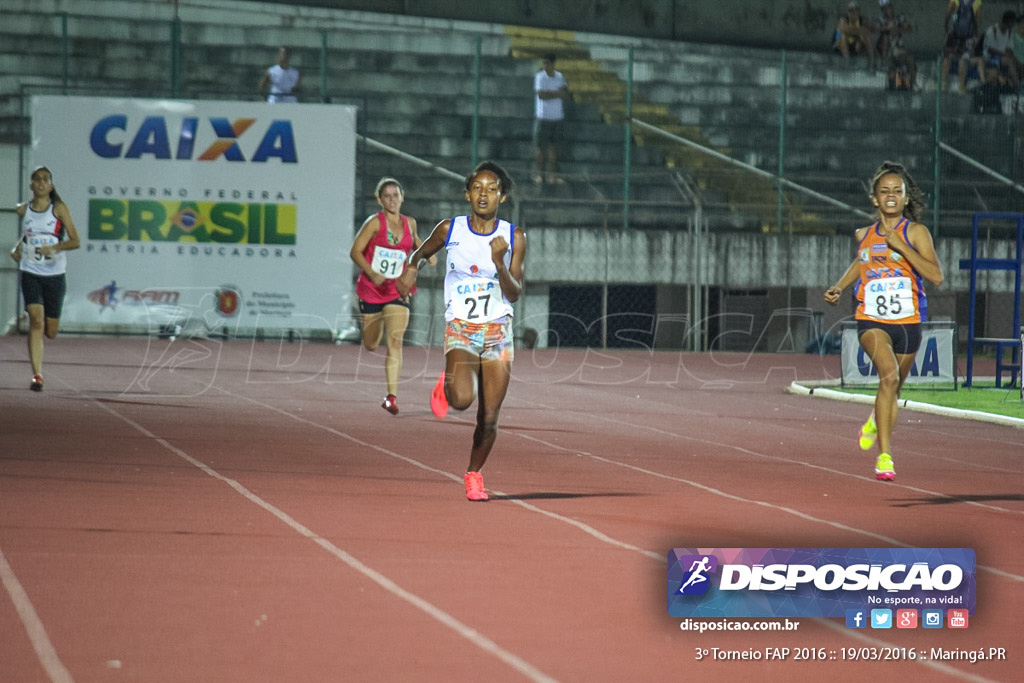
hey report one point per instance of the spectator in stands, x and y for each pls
(997, 49)
(962, 17)
(891, 28)
(47, 233)
(550, 90)
(380, 249)
(282, 80)
(853, 36)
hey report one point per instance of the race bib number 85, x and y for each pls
(890, 298)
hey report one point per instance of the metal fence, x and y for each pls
(718, 147)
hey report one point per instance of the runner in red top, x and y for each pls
(894, 256)
(380, 251)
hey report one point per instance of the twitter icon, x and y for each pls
(881, 618)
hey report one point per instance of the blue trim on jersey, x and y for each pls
(451, 224)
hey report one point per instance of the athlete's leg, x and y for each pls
(494, 379)
(396, 320)
(373, 330)
(37, 325)
(878, 345)
(461, 376)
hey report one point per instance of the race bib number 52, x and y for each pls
(35, 243)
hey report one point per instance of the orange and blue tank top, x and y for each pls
(889, 289)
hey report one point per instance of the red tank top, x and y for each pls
(387, 259)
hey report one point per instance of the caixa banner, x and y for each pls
(934, 363)
(817, 582)
(202, 216)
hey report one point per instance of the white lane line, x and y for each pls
(472, 635)
(945, 669)
(772, 506)
(951, 671)
(802, 463)
(622, 544)
(41, 643)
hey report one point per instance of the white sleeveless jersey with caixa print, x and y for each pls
(472, 292)
(41, 229)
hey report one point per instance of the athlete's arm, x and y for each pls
(425, 251)
(60, 210)
(922, 256)
(851, 275)
(370, 227)
(510, 278)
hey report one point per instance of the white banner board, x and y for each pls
(935, 361)
(210, 215)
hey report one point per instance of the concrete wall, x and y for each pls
(790, 24)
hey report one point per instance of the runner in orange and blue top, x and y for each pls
(484, 277)
(894, 256)
(380, 250)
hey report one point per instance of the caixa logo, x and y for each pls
(116, 137)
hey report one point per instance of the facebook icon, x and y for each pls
(856, 618)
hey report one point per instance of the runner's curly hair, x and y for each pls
(915, 197)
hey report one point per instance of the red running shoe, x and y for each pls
(390, 404)
(438, 401)
(37, 383)
(475, 486)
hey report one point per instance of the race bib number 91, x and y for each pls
(388, 262)
(890, 298)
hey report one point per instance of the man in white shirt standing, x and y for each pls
(282, 79)
(550, 90)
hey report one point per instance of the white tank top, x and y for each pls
(40, 229)
(472, 292)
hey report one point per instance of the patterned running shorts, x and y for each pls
(491, 341)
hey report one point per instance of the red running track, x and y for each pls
(236, 511)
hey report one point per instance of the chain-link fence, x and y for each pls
(704, 195)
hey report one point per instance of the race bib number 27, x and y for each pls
(475, 298)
